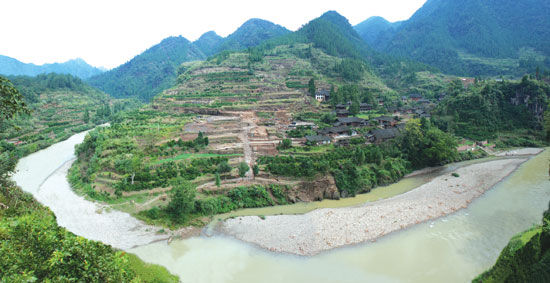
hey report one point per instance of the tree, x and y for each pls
(182, 202)
(546, 123)
(354, 108)
(223, 167)
(218, 181)
(11, 100)
(86, 117)
(255, 169)
(243, 168)
(285, 144)
(311, 87)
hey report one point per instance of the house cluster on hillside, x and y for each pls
(342, 110)
(377, 130)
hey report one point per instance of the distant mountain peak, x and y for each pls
(209, 34)
(76, 67)
(251, 33)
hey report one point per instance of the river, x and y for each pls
(451, 249)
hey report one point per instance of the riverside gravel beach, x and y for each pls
(325, 229)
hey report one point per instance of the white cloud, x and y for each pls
(111, 32)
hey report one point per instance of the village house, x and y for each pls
(386, 121)
(341, 113)
(382, 135)
(318, 139)
(342, 106)
(344, 142)
(365, 107)
(351, 121)
(415, 97)
(295, 124)
(322, 95)
(338, 132)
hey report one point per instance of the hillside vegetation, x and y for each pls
(472, 37)
(526, 258)
(32, 246)
(509, 112)
(148, 73)
(155, 70)
(60, 105)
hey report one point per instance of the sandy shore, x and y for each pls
(325, 229)
(520, 152)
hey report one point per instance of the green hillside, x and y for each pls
(376, 29)
(150, 72)
(509, 112)
(32, 246)
(251, 33)
(208, 43)
(61, 105)
(474, 37)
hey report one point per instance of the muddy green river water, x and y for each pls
(454, 248)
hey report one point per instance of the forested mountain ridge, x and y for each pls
(154, 70)
(474, 37)
(209, 42)
(374, 27)
(333, 34)
(150, 72)
(251, 33)
(76, 67)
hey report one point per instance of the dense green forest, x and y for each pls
(376, 29)
(494, 110)
(33, 247)
(333, 34)
(156, 69)
(471, 37)
(148, 73)
(526, 258)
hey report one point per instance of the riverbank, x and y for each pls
(325, 229)
(94, 221)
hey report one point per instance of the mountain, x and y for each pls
(251, 33)
(150, 72)
(76, 67)
(334, 34)
(374, 27)
(208, 43)
(475, 37)
(156, 69)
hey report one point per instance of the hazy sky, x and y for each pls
(110, 32)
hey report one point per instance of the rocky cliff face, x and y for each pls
(324, 188)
